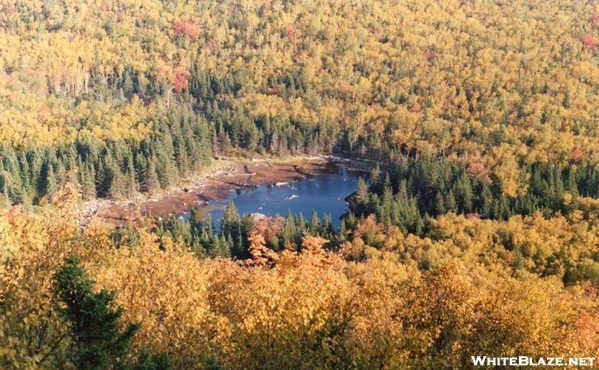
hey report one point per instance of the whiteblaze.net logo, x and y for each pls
(531, 361)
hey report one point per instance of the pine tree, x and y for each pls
(51, 183)
(4, 185)
(181, 157)
(450, 203)
(216, 147)
(98, 340)
(25, 174)
(387, 183)
(152, 183)
(246, 225)
(487, 201)
(88, 185)
(127, 84)
(314, 226)
(342, 234)
(327, 226)
(439, 204)
(230, 219)
(464, 193)
(212, 364)
(375, 179)
(194, 221)
(362, 194)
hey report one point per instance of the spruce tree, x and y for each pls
(51, 183)
(450, 203)
(4, 185)
(230, 221)
(88, 185)
(439, 204)
(375, 179)
(98, 340)
(152, 183)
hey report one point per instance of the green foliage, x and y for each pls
(435, 186)
(98, 340)
(482, 114)
(380, 299)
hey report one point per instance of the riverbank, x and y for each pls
(217, 184)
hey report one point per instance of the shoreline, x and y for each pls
(226, 175)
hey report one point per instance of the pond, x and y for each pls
(323, 193)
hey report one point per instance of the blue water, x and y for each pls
(323, 193)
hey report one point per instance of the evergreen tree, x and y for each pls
(194, 221)
(314, 226)
(51, 183)
(375, 179)
(212, 364)
(230, 221)
(88, 185)
(464, 194)
(98, 341)
(362, 194)
(152, 183)
(291, 232)
(4, 185)
(439, 204)
(486, 200)
(127, 84)
(450, 203)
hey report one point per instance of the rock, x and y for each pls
(256, 217)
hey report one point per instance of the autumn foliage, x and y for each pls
(479, 236)
(312, 307)
(588, 40)
(187, 28)
(459, 79)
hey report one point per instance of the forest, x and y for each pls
(477, 233)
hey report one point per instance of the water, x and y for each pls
(324, 193)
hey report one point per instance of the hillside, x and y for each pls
(477, 234)
(119, 87)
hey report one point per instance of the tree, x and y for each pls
(231, 222)
(51, 183)
(98, 341)
(439, 204)
(88, 185)
(375, 179)
(450, 203)
(362, 192)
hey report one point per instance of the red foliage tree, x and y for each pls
(268, 228)
(587, 327)
(290, 31)
(276, 89)
(186, 28)
(44, 112)
(180, 82)
(588, 40)
(478, 171)
(428, 55)
(416, 107)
